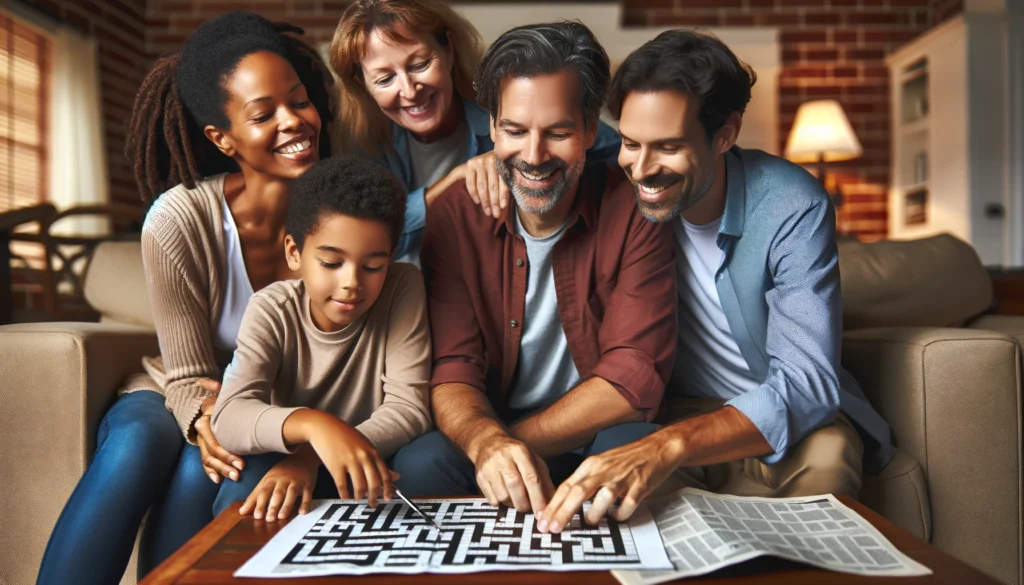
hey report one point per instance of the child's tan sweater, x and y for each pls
(374, 374)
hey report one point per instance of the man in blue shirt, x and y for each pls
(758, 402)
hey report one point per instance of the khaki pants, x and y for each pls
(827, 461)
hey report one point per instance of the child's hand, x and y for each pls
(348, 454)
(292, 478)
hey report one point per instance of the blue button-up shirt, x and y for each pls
(779, 288)
(399, 160)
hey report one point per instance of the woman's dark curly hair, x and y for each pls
(184, 92)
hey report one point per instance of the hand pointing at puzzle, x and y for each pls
(348, 455)
(508, 473)
(633, 471)
(630, 472)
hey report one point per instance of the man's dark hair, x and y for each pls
(543, 49)
(345, 184)
(690, 62)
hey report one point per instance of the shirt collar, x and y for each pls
(585, 207)
(479, 121)
(735, 194)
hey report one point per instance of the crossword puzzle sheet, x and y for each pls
(346, 537)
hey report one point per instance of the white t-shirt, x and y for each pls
(708, 361)
(545, 371)
(237, 288)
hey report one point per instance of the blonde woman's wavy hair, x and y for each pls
(360, 122)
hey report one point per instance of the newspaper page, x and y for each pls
(704, 532)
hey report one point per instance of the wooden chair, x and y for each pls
(68, 257)
(9, 221)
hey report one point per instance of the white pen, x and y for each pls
(417, 509)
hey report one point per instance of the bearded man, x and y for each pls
(554, 324)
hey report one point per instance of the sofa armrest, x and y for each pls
(58, 381)
(953, 400)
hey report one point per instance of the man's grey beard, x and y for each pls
(653, 212)
(549, 196)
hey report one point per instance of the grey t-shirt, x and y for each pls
(432, 161)
(546, 370)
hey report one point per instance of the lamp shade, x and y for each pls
(821, 130)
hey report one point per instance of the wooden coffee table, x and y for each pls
(230, 540)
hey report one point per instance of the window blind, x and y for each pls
(24, 92)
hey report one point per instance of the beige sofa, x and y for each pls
(947, 380)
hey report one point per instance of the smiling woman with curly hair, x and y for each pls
(218, 132)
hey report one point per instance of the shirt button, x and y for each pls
(514, 323)
(519, 262)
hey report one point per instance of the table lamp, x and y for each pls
(822, 134)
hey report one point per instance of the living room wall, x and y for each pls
(830, 49)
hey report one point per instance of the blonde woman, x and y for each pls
(407, 68)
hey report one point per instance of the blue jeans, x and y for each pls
(182, 512)
(137, 464)
(433, 466)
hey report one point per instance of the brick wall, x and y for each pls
(119, 26)
(170, 21)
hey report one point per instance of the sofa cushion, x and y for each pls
(931, 282)
(115, 284)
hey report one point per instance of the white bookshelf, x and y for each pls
(949, 141)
